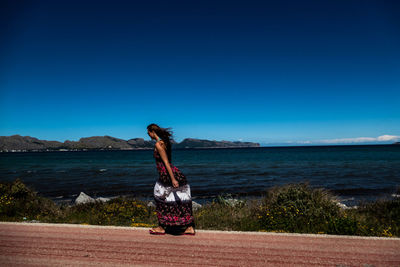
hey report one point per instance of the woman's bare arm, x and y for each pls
(164, 157)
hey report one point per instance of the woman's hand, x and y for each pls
(175, 183)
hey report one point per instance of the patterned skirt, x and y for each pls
(173, 205)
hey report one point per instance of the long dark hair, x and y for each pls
(165, 134)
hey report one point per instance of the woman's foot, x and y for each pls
(158, 229)
(190, 230)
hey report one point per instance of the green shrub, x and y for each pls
(380, 218)
(17, 201)
(343, 225)
(226, 213)
(299, 208)
(119, 211)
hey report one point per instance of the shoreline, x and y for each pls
(198, 200)
(188, 148)
(207, 201)
(127, 149)
(346, 202)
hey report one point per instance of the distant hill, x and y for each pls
(201, 143)
(397, 143)
(17, 143)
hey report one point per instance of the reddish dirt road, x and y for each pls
(32, 244)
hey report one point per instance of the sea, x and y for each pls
(353, 173)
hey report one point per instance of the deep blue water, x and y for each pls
(352, 172)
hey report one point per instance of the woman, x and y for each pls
(171, 191)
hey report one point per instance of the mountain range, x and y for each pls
(17, 143)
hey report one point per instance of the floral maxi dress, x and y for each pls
(173, 205)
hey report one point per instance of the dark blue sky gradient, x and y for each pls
(287, 71)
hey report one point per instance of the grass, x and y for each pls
(293, 208)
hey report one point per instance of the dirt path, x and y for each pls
(37, 244)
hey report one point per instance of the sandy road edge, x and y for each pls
(201, 231)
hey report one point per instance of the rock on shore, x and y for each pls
(83, 198)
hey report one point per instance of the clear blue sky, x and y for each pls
(279, 72)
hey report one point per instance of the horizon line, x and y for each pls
(380, 140)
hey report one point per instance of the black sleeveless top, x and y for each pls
(164, 176)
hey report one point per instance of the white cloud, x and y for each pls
(298, 142)
(388, 138)
(382, 138)
(349, 140)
